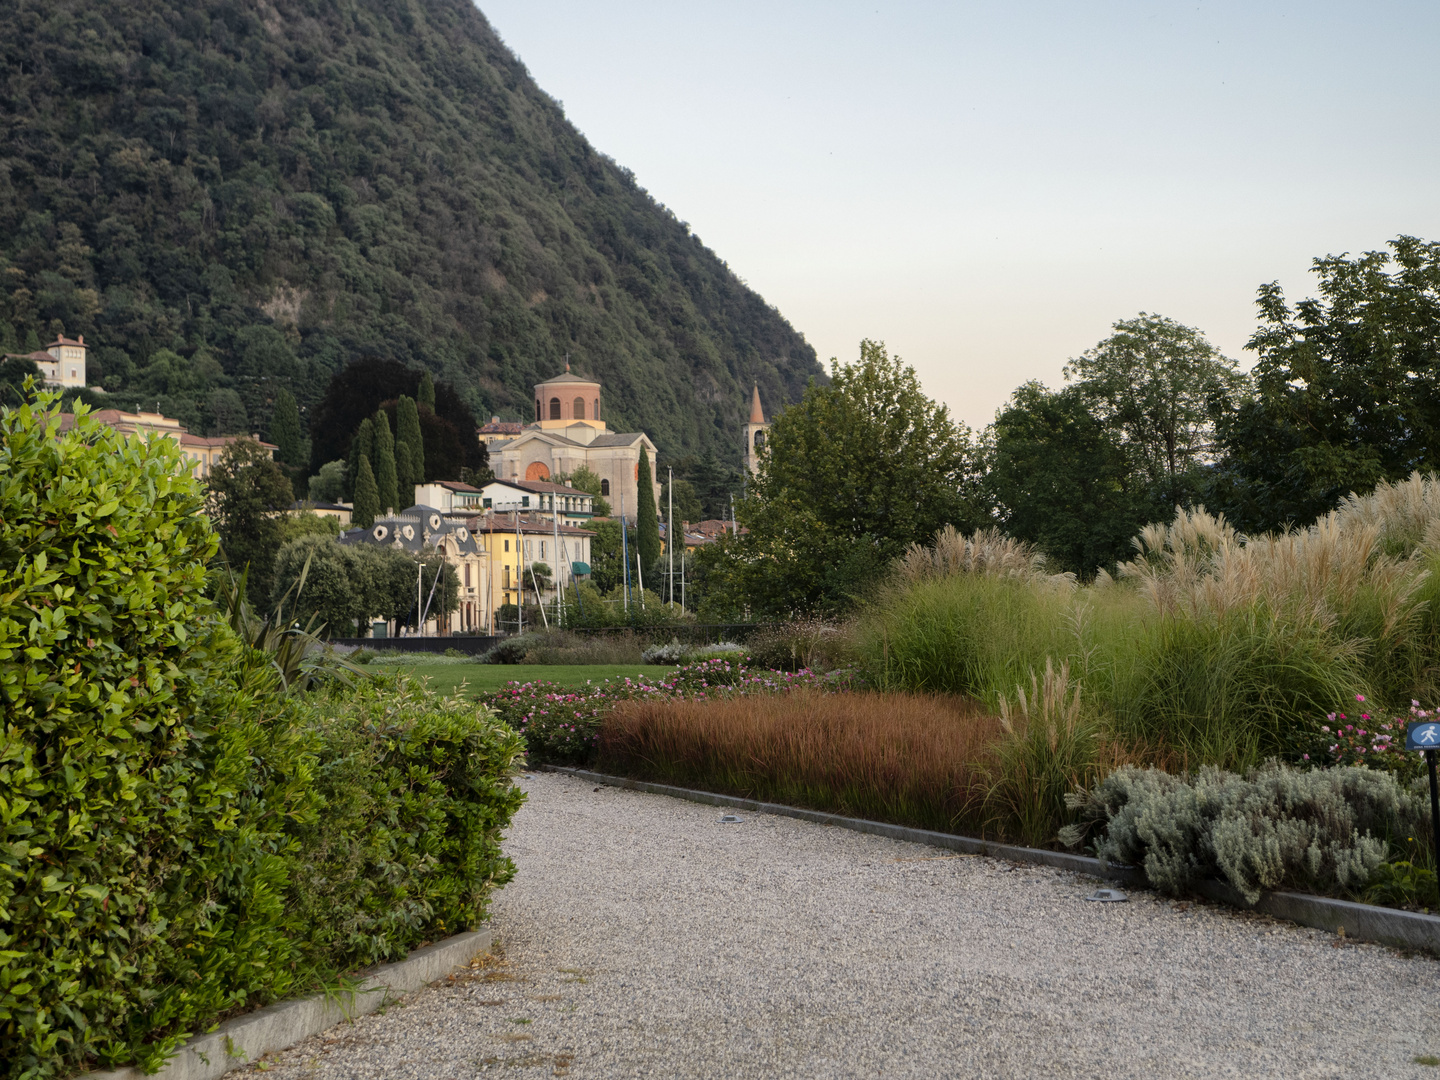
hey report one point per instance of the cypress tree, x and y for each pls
(426, 394)
(647, 525)
(361, 446)
(407, 430)
(367, 496)
(384, 462)
(404, 471)
(285, 431)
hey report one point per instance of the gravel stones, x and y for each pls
(640, 940)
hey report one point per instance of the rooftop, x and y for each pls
(507, 521)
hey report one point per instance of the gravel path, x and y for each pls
(643, 938)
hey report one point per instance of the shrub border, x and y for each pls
(245, 1039)
(1363, 922)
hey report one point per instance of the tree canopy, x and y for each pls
(1059, 478)
(856, 471)
(249, 495)
(1158, 387)
(1347, 388)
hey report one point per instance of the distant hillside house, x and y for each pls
(568, 433)
(203, 453)
(339, 511)
(62, 363)
(498, 430)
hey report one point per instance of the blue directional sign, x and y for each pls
(1423, 735)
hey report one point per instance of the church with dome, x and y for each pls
(569, 432)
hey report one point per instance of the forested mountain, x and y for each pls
(227, 197)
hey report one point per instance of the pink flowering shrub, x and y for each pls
(1372, 741)
(561, 723)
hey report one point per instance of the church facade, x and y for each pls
(568, 432)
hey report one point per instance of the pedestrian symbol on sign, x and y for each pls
(1424, 735)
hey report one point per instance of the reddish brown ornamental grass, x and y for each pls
(896, 757)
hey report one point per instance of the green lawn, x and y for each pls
(483, 677)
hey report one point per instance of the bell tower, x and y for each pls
(756, 433)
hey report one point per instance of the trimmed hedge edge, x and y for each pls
(1360, 922)
(245, 1039)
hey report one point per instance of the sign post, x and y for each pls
(1425, 735)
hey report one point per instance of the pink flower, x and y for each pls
(1359, 697)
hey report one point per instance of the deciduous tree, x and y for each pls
(1158, 387)
(857, 471)
(1347, 388)
(248, 496)
(1060, 479)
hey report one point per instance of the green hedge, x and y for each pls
(180, 839)
(416, 790)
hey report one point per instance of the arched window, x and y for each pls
(605, 488)
(537, 470)
(537, 410)
(597, 408)
(579, 408)
(554, 408)
(759, 440)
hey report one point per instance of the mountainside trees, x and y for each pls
(237, 196)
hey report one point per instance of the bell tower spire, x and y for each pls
(756, 431)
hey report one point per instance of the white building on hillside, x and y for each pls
(62, 363)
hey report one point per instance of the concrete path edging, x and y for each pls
(247, 1038)
(1361, 922)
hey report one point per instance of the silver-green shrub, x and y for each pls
(1324, 830)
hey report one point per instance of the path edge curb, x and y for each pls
(1361, 922)
(245, 1039)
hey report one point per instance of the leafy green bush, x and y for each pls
(142, 850)
(165, 787)
(512, 650)
(1324, 830)
(415, 791)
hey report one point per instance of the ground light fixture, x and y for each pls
(1108, 896)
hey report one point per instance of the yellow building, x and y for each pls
(515, 542)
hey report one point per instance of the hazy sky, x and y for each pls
(987, 187)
